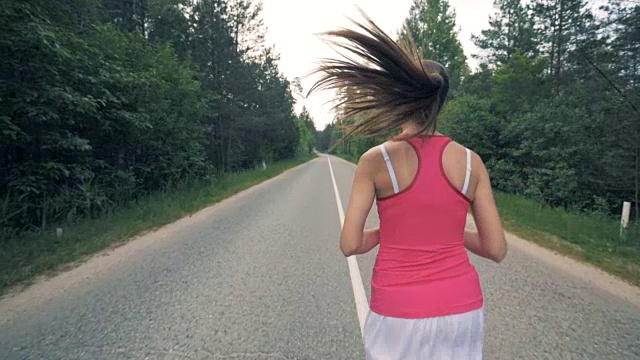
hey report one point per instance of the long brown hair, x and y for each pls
(387, 82)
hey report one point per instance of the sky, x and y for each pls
(293, 25)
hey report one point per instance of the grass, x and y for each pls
(23, 258)
(594, 239)
(589, 237)
(349, 158)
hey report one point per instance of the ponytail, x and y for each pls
(387, 83)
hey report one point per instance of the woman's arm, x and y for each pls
(489, 240)
(370, 239)
(472, 243)
(353, 239)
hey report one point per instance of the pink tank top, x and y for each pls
(422, 268)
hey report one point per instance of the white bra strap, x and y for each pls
(468, 175)
(392, 173)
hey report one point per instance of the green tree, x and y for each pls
(127, 15)
(167, 22)
(247, 28)
(104, 102)
(432, 25)
(306, 133)
(563, 26)
(323, 138)
(511, 29)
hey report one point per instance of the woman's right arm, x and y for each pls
(489, 241)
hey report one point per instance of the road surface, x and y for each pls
(260, 276)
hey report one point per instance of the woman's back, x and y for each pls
(422, 268)
(404, 160)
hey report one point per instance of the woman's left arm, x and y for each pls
(362, 196)
(370, 239)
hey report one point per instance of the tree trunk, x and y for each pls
(552, 53)
(510, 33)
(228, 149)
(222, 154)
(637, 200)
(236, 39)
(560, 38)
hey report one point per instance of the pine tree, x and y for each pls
(432, 25)
(511, 29)
(562, 26)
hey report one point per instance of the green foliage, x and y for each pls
(552, 127)
(306, 133)
(104, 102)
(564, 28)
(591, 237)
(323, 138)
(512, 30)
(31, 254)
(432, 25)
(469, 120)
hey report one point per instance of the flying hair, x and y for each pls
(381, 82)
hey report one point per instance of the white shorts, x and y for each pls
(450, 337)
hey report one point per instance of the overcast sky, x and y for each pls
(292, 26)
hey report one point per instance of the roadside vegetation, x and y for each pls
(120, 116)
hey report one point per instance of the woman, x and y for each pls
(426, 299)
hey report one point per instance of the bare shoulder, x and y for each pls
(456, 147)
(370, 156)
(368, 161)
(375, 157)
(455, 151)
(460, 151)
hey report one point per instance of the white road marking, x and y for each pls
(360, 297)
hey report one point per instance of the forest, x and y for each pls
(552, 108)
(103, 102)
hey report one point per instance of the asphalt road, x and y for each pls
(260, 276)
